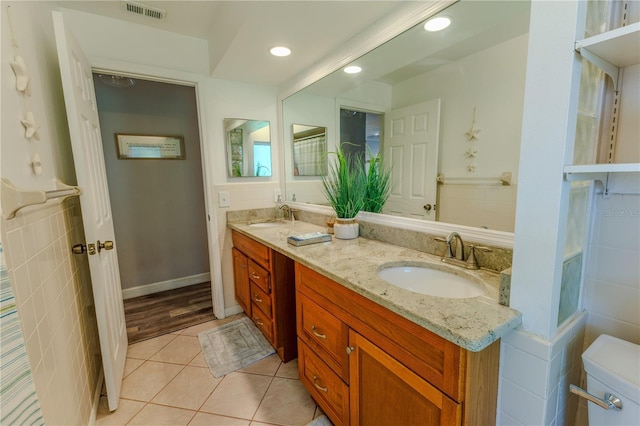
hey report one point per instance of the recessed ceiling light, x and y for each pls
(437, 24)
(280, 51)
(352, 69)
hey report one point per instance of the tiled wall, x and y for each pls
(55, 304)
(535, 376)
(478, 205)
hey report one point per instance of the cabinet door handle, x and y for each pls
(257, 320)
(350, 349)
(254, 276)
(243, 267)
(257, 298)
(323, 389)
(320, 335)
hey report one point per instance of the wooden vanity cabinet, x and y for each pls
(241, 279)
(264, 287)
(396, 371)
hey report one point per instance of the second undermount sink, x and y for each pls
(266, 224)
(431, 282)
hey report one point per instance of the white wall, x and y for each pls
(492, 82)
(52, 288)
(227, 99)
(126, 42)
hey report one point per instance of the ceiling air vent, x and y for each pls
(143, 10)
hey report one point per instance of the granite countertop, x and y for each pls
(472, 323)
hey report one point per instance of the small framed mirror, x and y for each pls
(248, 147)
(309, 150)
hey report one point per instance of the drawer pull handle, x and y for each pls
(254, 276)
(322, 336)
(350, 349)
(243, 267)
(323, 389)
(257, 320)
(257, 298)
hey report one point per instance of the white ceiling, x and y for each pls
(240, 33)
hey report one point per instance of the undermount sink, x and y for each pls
(431, 282)
(265, 224)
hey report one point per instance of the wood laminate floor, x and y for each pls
(165, 312)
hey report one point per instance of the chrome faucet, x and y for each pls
(458, 257)
(288, 213)
(459, 254)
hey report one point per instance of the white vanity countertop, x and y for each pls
(472, 323)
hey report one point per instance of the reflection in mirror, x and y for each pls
(472, 76)
(248, 147)
(309, 150)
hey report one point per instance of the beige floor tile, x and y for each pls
(189, 389)
(199, 361)
(286, 403)
(238, 395)
(148, 379)
(158, 415)
(266, 366)
(130, 364)
(205, 419)
(147, 348)
(181, 350)
(127, 409)
(288, 370)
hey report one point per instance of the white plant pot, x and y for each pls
(346, 229)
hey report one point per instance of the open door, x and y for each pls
(411, 142)
(86, 144)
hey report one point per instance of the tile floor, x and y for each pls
(167, 382)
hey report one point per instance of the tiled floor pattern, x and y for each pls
(167, 382)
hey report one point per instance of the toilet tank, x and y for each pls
(613, 366)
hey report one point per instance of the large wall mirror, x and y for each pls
(309, 150)
(450, 107)
(248, 147)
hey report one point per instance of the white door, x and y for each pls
(411, 139)
(86, 143)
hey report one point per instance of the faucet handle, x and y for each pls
(448, 253)
(472, 262)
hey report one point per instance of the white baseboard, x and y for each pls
(232, 310)
(143, 290)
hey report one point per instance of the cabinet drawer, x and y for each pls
(261, 299)
(324, 333)
(262, 322)
(253, 249)
(331, 393)
(259, 276)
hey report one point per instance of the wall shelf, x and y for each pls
(623, 175)
(613, 49)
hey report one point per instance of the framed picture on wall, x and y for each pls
(147, 147)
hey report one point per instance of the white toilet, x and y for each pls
(613, 371)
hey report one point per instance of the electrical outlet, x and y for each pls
(224, 199)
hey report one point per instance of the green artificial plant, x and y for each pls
(378, 187)
(345, 184)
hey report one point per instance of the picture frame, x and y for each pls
(140, 147)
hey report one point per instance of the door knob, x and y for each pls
(107, 245)
(81, 248)
(78, 248)
(427, 207)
